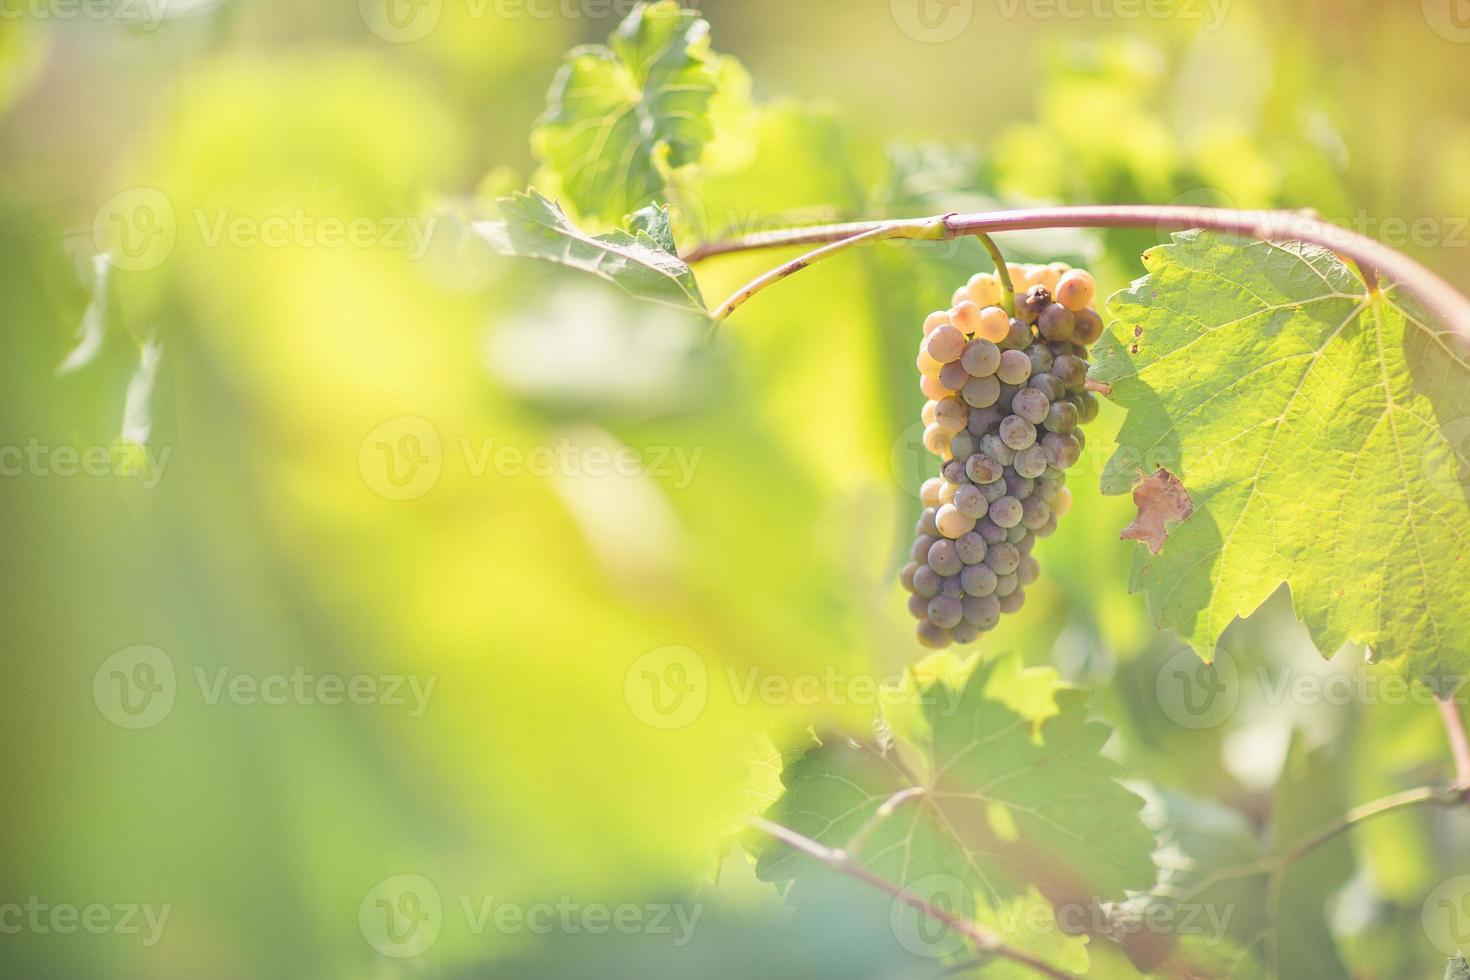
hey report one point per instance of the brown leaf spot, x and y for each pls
(1160, 499)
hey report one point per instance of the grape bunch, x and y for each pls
(1006, 400)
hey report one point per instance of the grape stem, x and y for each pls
(842, 862)
(1002, 272)
(1371, 258)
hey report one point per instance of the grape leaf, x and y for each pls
(640, 261)
(1312, 427)
(619, 113)
(1015, 793)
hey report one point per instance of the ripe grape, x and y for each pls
(1014, 367)
(978, 580)
(1075, 290)
(1017, 433)
(981, 392)
(1087, 327)
(1006, 399)
(1005, 512)
(995, 325)
(943, 558)
(946, 343)
(952, 523)
(1031, 405)
(980, 358)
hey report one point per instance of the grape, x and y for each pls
(1026, 544)
(1005, 585)
(1029, 308)
(978, 580)
(983, 289)
(981, 358)
(1028, 571)
(1075, 290)
(991, 532)
(946, 494)
(1031, 405)
(1003, 558)
(926, 581)
(1020, 279)
(995, 325)
(1005, 512)
(936, 440)
(932, 637)
(1087, 327)
(1014, 368)
(952, 523)
(1062, 505)
(906, 577)
(1048, 385)
(951, 414)
(1062, 449)
(953, 376)
(926, 523)
(946, 343)
(1061, 417)
(1049, 528)
(1040, 357)
(970, 547)
(1034, 512)
(968, 500)
(1031, 461)
(928, 366)
(1086, 404)
(944, 559)
(1048, 275)
(983, 419)
(1018, 336)
(1015, 535)
(1012, 601)
(918, 606)
(981, 392)
(993, 446)
(1056, 323)
(1017, 433)
(929, 492)
(922, 544)
(965, 317)
(953, 471)
(1019, 486)
(934, 321)
(963, 445)
(933, 388)
(1070, 371)
(964, 632)
(982, 612)
(994, 491)
(983, 469)
(1046, 489)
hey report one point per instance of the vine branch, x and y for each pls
(1370, 257)
(842, 862)
(1454, 724)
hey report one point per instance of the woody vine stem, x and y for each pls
(1370, 258)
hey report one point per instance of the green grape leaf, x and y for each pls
(1014, 795)
(1313, 428)
(640, 261)
(618, 115)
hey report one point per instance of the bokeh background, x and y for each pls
(323, 568)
